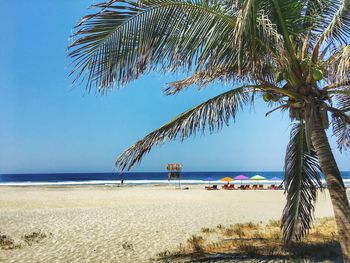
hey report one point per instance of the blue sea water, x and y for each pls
(133, 178)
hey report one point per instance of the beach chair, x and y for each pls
(255, 187)
(232, 187)
(229, 187)
(212, 187)
(261, 187)
(247, 187)
(226, 186)
(280, 187)
(242, 187)
(272, 187)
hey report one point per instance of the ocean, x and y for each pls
(136, 178)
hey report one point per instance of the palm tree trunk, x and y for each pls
(335, 185)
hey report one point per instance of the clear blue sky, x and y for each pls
(46, 125)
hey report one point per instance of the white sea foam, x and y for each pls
(113, 182)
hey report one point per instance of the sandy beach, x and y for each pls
(124, 224)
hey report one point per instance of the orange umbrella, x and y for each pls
(226, 179)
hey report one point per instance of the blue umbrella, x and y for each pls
(209, 179)
(276, 179)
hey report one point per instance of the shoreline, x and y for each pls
(149, 182)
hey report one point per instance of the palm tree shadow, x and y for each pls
(299, 252)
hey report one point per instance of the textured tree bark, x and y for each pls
(335, 185)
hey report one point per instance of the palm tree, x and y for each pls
(292, 53)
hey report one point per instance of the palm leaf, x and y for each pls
(128, 38)
(266, 68)
(212, 114)
(301, 181)
(338, 18)
(339, 65)
(343, 100)
(341, 126)
(201, 79)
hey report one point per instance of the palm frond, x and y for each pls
(257, 39)
(259, 51)
(314, 10)
(301, 181)
(319, 14)
(212, 114)
(201, 79)
(343, 69)
(266, 68)
(336, 86)
(343, 99)
(128, 38)
(339, 65)
(341, 126)
(338, 17)
(292, 12)
(287, 16)
(268, 32)
(245, 31)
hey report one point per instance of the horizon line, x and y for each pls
(145, 172)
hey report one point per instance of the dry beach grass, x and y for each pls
(257, 241)
(123, 224)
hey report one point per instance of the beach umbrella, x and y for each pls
(258, 177)
(276, 179)
(241, 177)
(209, 179)
(226, 179)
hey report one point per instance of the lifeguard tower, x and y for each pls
(174, 173)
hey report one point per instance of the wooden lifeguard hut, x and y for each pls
(174, 173)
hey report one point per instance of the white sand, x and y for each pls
(91, 224)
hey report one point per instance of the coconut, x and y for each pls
(267, 97)
(279, 77)
(275, 98)
(317, 74)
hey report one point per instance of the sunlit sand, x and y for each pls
(119, 224)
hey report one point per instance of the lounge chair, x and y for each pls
(261, 187)
(213, 187)
(229, 187)
(272, 187)
(242, 187)
(247, 187)
(255, 187)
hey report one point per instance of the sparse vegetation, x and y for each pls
(35, 237)
(250, 240)
(196, 244)
(7, 242)
(274, 223)
(128, 246)
(207, 230)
